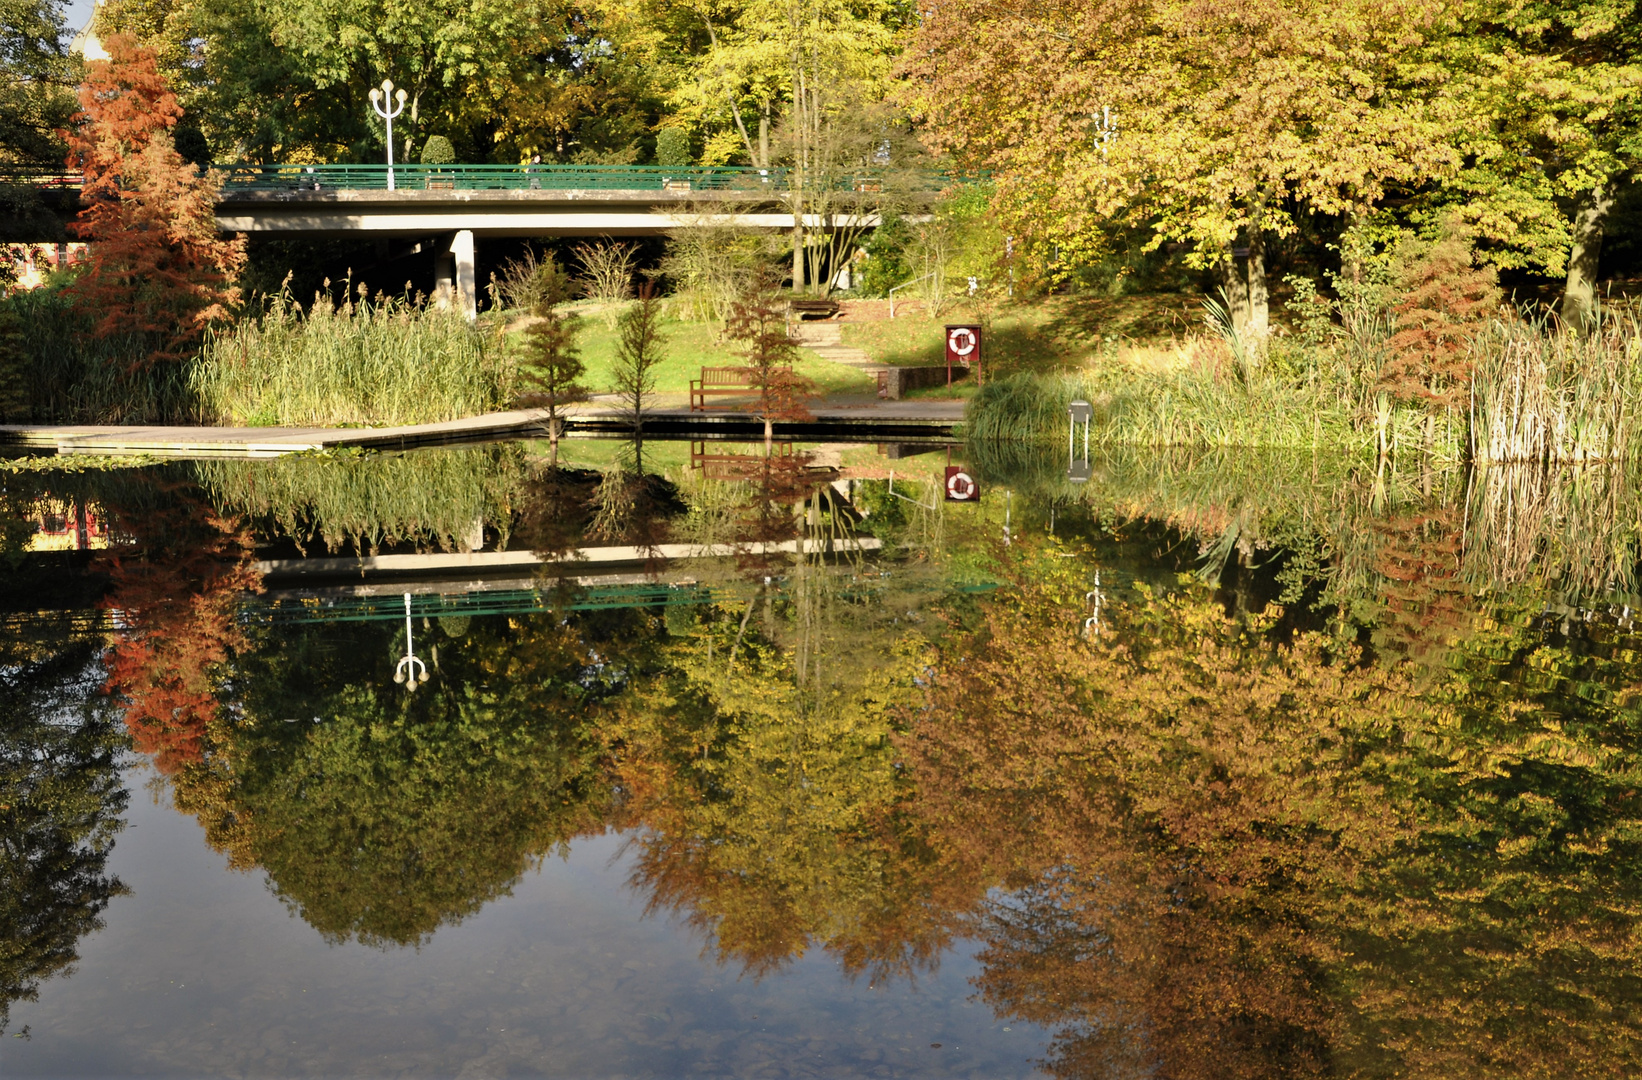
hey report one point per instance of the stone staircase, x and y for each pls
(826, 340)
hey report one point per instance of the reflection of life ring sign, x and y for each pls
(960, 486)
(961, 341)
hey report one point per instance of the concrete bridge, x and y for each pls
(453, 206)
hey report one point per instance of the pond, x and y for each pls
(775, 761)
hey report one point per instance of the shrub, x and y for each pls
(673, 147)
(438, 151)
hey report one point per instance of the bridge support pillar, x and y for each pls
(444, 281)
(467, 291)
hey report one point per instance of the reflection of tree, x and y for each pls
(1504, 940)
(1424, 605)
(60, 806)
(175, 587)
(768, 808)
(1233, 858)
(1182, 797)
(381, 815)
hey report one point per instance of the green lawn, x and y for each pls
(1044, 334)
(690, 346)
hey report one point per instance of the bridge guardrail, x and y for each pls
(38, 176)
(416, 177)
(497, 178)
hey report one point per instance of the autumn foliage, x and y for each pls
(156, 266)
(1447, 300)
(760, 326)
(176, 591)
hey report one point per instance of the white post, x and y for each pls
(410, 670)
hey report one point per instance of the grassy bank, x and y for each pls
(690, 346)
(1534, 392)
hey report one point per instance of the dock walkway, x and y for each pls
(901, 421)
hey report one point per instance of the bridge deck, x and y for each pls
(901, 421)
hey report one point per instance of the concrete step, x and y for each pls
(843, 354)
(811, 334)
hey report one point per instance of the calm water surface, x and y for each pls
(752, 764)
(201, 971)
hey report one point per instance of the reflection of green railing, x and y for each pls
(498, 602)
(390, 606)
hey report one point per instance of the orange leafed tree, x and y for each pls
(761, 327)
(157, 265)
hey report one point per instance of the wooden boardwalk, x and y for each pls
(866, 422)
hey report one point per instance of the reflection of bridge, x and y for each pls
(457, 203)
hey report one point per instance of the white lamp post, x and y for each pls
(388, 104)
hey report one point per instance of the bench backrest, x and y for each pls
(726, 376)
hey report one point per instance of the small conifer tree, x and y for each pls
(437, 150)
(640, 348)
(759, 323)
(551, 367)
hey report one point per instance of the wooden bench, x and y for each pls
(812, 309)
(721, 382)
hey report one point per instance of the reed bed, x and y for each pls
(69, 376)
(439, 499)
(1182, 408)
(365, 361)
(1541, 394)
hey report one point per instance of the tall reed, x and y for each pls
(70, 376)
(364, 361)
(1545, 394)
(1182, 408)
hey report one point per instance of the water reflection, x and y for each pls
(1346, 784)
(61, 802)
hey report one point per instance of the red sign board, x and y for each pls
(963, 347)
(960, 486)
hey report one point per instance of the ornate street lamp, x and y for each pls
(388, 103)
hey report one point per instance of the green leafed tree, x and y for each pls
(1548, 127)
(1217, 127)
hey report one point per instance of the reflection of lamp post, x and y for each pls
(1098, 597)
(410, 664)
(383, 102)
(1079, 412)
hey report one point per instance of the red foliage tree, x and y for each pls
(761, 327)
(156, 264)
(1448, 299)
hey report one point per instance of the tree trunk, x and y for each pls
(764, 134)
(1579, 292)
(797, 252)
(1259, 315)
(1236, 288)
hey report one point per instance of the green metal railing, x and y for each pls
(38, 176)
(498, 178)
(723, 178)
